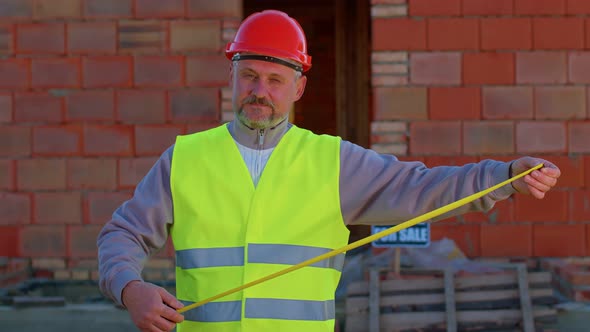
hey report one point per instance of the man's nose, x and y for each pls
(259, 89)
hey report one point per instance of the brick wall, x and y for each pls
(91, 93)
(457, 81)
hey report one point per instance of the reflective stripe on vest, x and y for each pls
(257, 253)
(262, 308)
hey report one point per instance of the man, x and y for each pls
(257, 195)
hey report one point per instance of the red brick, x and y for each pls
(198, 127)
(434, 7)
(541, 67)
(540, 137)
(218, 9)
(48, 9)
(56, 73)
(435, 68)
(101, 205)
(141, 106)
(16, 9)
(552, 208)
(41, 174)
(108, 140)
(560, 102)
(92, 174)
(153, 140)
(579, 136)
(92, 37)
(559, 240)
(41, 38)
(131, 171)
(57, 140)
(429, 138)
(197, 104)
(558, 33)
(446, 103)
(82, 241)
(107, 72)
(7, 33)
(539, 7)
(453, 34)
(488, 137)
(43, 241)
(142, 36)
(108, 8)
(502, 212)
(58, 208)
(580, 205)
(15, 208)
(413, 38)
(486, 7)
(506, 33)
(577, 7)
(159, 8)
(506, 240)
(466, 237)
(572, 170)
(159, 71)
(9, 239)
(488, 68)
(14, 73)
(7, 174)
(207, 70)
(202, 35)
(15, 141)
(91, 105)
(507, 102)
(37, 107)
(5, 108)
(400, 103)
(579, 67)
(587, 171)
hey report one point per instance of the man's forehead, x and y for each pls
(265, 67)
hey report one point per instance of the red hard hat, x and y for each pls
(271, 33)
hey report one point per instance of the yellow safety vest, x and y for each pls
(227, 232)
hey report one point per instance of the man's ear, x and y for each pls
(300, 87)
(231, 73)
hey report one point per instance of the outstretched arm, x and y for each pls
(379, 189)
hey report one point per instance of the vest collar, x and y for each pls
(250, 137)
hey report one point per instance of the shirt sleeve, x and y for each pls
(138, 229)
(378, 189)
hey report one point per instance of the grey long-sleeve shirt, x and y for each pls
(374, 189)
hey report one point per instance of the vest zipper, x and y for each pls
(259, 159)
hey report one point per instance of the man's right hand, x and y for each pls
(151, 307)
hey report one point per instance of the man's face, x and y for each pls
(264, 92)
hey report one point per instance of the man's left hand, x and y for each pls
(538, 182)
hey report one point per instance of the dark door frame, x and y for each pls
(353, 88)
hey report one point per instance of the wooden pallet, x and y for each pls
(449, 303)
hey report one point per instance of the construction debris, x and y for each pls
(428, 300)
(570, 276)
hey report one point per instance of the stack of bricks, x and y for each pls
(14, 271)
(91, 93)
(571, 277)
(459, 81)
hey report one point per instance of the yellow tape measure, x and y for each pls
(427, 216)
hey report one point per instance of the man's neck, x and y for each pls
(251, 137)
